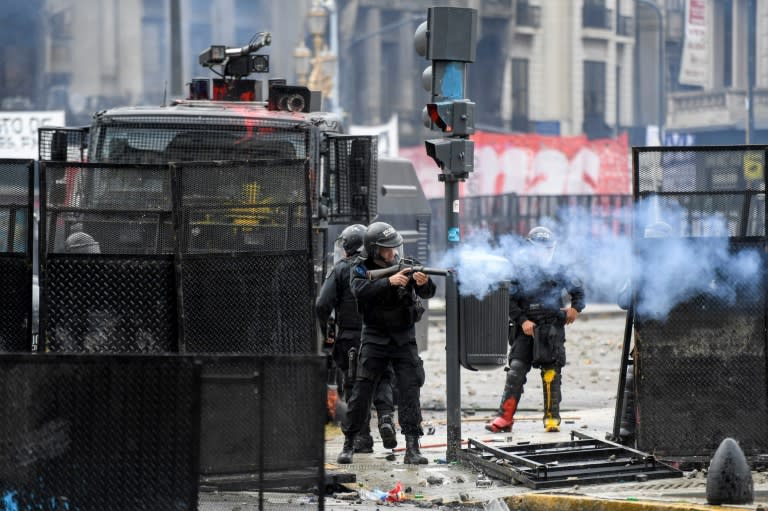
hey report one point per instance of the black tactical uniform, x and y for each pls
(390, 311)
(537, 296)
(336, 298)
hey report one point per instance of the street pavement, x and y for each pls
(589, 392)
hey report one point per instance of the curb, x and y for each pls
(542, 502)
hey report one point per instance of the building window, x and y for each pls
(527, 15)
(520, 121)
(594, 14)
(594, 99)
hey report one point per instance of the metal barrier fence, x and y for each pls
(236, 277)
(351, 178)
(245, 256)
(107, 268)
(98, 432)
(517, 214)
(16, 228)
(263, 422)
(700, 368)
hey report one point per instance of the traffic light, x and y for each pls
(455, 155)
(454, 117)
(448, 39)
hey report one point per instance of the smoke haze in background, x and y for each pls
(664, 270)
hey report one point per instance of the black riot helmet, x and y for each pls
(349, 242)
(380, 234)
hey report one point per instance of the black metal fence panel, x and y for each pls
(99, 432)
(263, 421)
(245, 256)
(63, 144)
(98, 304)
(107, 274)
(700, 362)
(16, 228)
(351, 179)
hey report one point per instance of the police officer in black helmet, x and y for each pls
(390, 307)
(336, 298)
(537, 338)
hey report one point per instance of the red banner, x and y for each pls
(531, 164)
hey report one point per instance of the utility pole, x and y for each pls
(449, 39)
(751, 22)
(177, 67)
(661, 78)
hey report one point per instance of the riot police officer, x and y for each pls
(390, 306)
(336, 299)
(537, 335)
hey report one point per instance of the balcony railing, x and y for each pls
(528, 15)
(596, 16)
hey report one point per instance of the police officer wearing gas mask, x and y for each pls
(390, 307)
(537, 333)
(335, 302)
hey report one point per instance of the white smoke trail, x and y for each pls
(675, 257)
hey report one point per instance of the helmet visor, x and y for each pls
(389, 255)
(338, 251)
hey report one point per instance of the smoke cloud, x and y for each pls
(670, 260)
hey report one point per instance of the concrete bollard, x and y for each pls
(729, 478)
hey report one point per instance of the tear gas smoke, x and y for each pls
(676, 257)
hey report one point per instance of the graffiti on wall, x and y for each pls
(532, 164)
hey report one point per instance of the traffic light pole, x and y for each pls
(452, 367)
(448, 39)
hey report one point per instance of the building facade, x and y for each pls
(563, 67)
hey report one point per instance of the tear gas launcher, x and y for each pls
(404, 264)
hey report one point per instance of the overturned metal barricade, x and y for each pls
(582, 460)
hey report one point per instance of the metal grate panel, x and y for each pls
(351, 178)
(258, 206)
(98, 432)
(63, 144)
(108, 305)
(263, 416)
(701, 366)
(126, 209)
(249, 303)
(16, 228)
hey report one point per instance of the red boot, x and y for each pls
(503, 423)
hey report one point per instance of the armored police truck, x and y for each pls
(226, 172)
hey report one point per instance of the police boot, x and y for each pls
(363, 443)
(505, 419)
(345, 457)
(412, 454)
(387, 431)
(550, 380)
